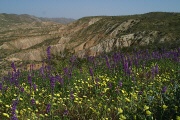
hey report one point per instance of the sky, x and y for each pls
(80, 8)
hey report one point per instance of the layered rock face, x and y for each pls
(86, 36)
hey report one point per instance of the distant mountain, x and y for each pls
(13, 22)
(14, 18)
(59, 20)
(9, 21)
(25, 37)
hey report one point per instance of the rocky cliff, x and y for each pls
(25, 37)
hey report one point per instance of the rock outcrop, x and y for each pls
(86, 36)
(24, 43)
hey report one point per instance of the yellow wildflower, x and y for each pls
(127, 99)
(176, 107)
(177, 117)
(120, 110)
(164, 107)
(58, 95)
(122, 117)
(21, 112)
(148, 112)
(54, 104)
(123, 91)
(105, 89)
(37, 102)
(41, 115)
(6, 115)
(29, 109)
(84, 96)
(104, 118)
(7, 106)
(16, 111)
(146, 107)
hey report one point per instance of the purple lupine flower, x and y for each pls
(41, 71)
(136, 62)
(97, 81)
(1, 86)
(14, 117)
(35, 87)
(130, 62)
(66, 112)
(70, 73)
(140, 92)
(91, 71)
(164, 89)
(33, 102)
(110, 85)
(116, 57)
(13, 66)
(30, 80)
(90, 59)
(72, 59)
(133, 78)
(120, 83)
(13, 110)
(18, 73)
(21, 89)
(48, 52)
(60, 79)
(66, 71)
(52, 82)
(107, 62)
(71, 95)
(48, 68)
(48, 108)
(156, 69)
(152, 72)
(14, 79)
(16, 82)
(126, 68)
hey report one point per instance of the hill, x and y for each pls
(25, 37)
(59, 20)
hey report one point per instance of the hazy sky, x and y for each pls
(80, 8)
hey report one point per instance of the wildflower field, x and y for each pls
(142, 85)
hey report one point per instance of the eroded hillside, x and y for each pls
(25, 38)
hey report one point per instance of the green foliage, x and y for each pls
(106, 92)
(141, 83)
